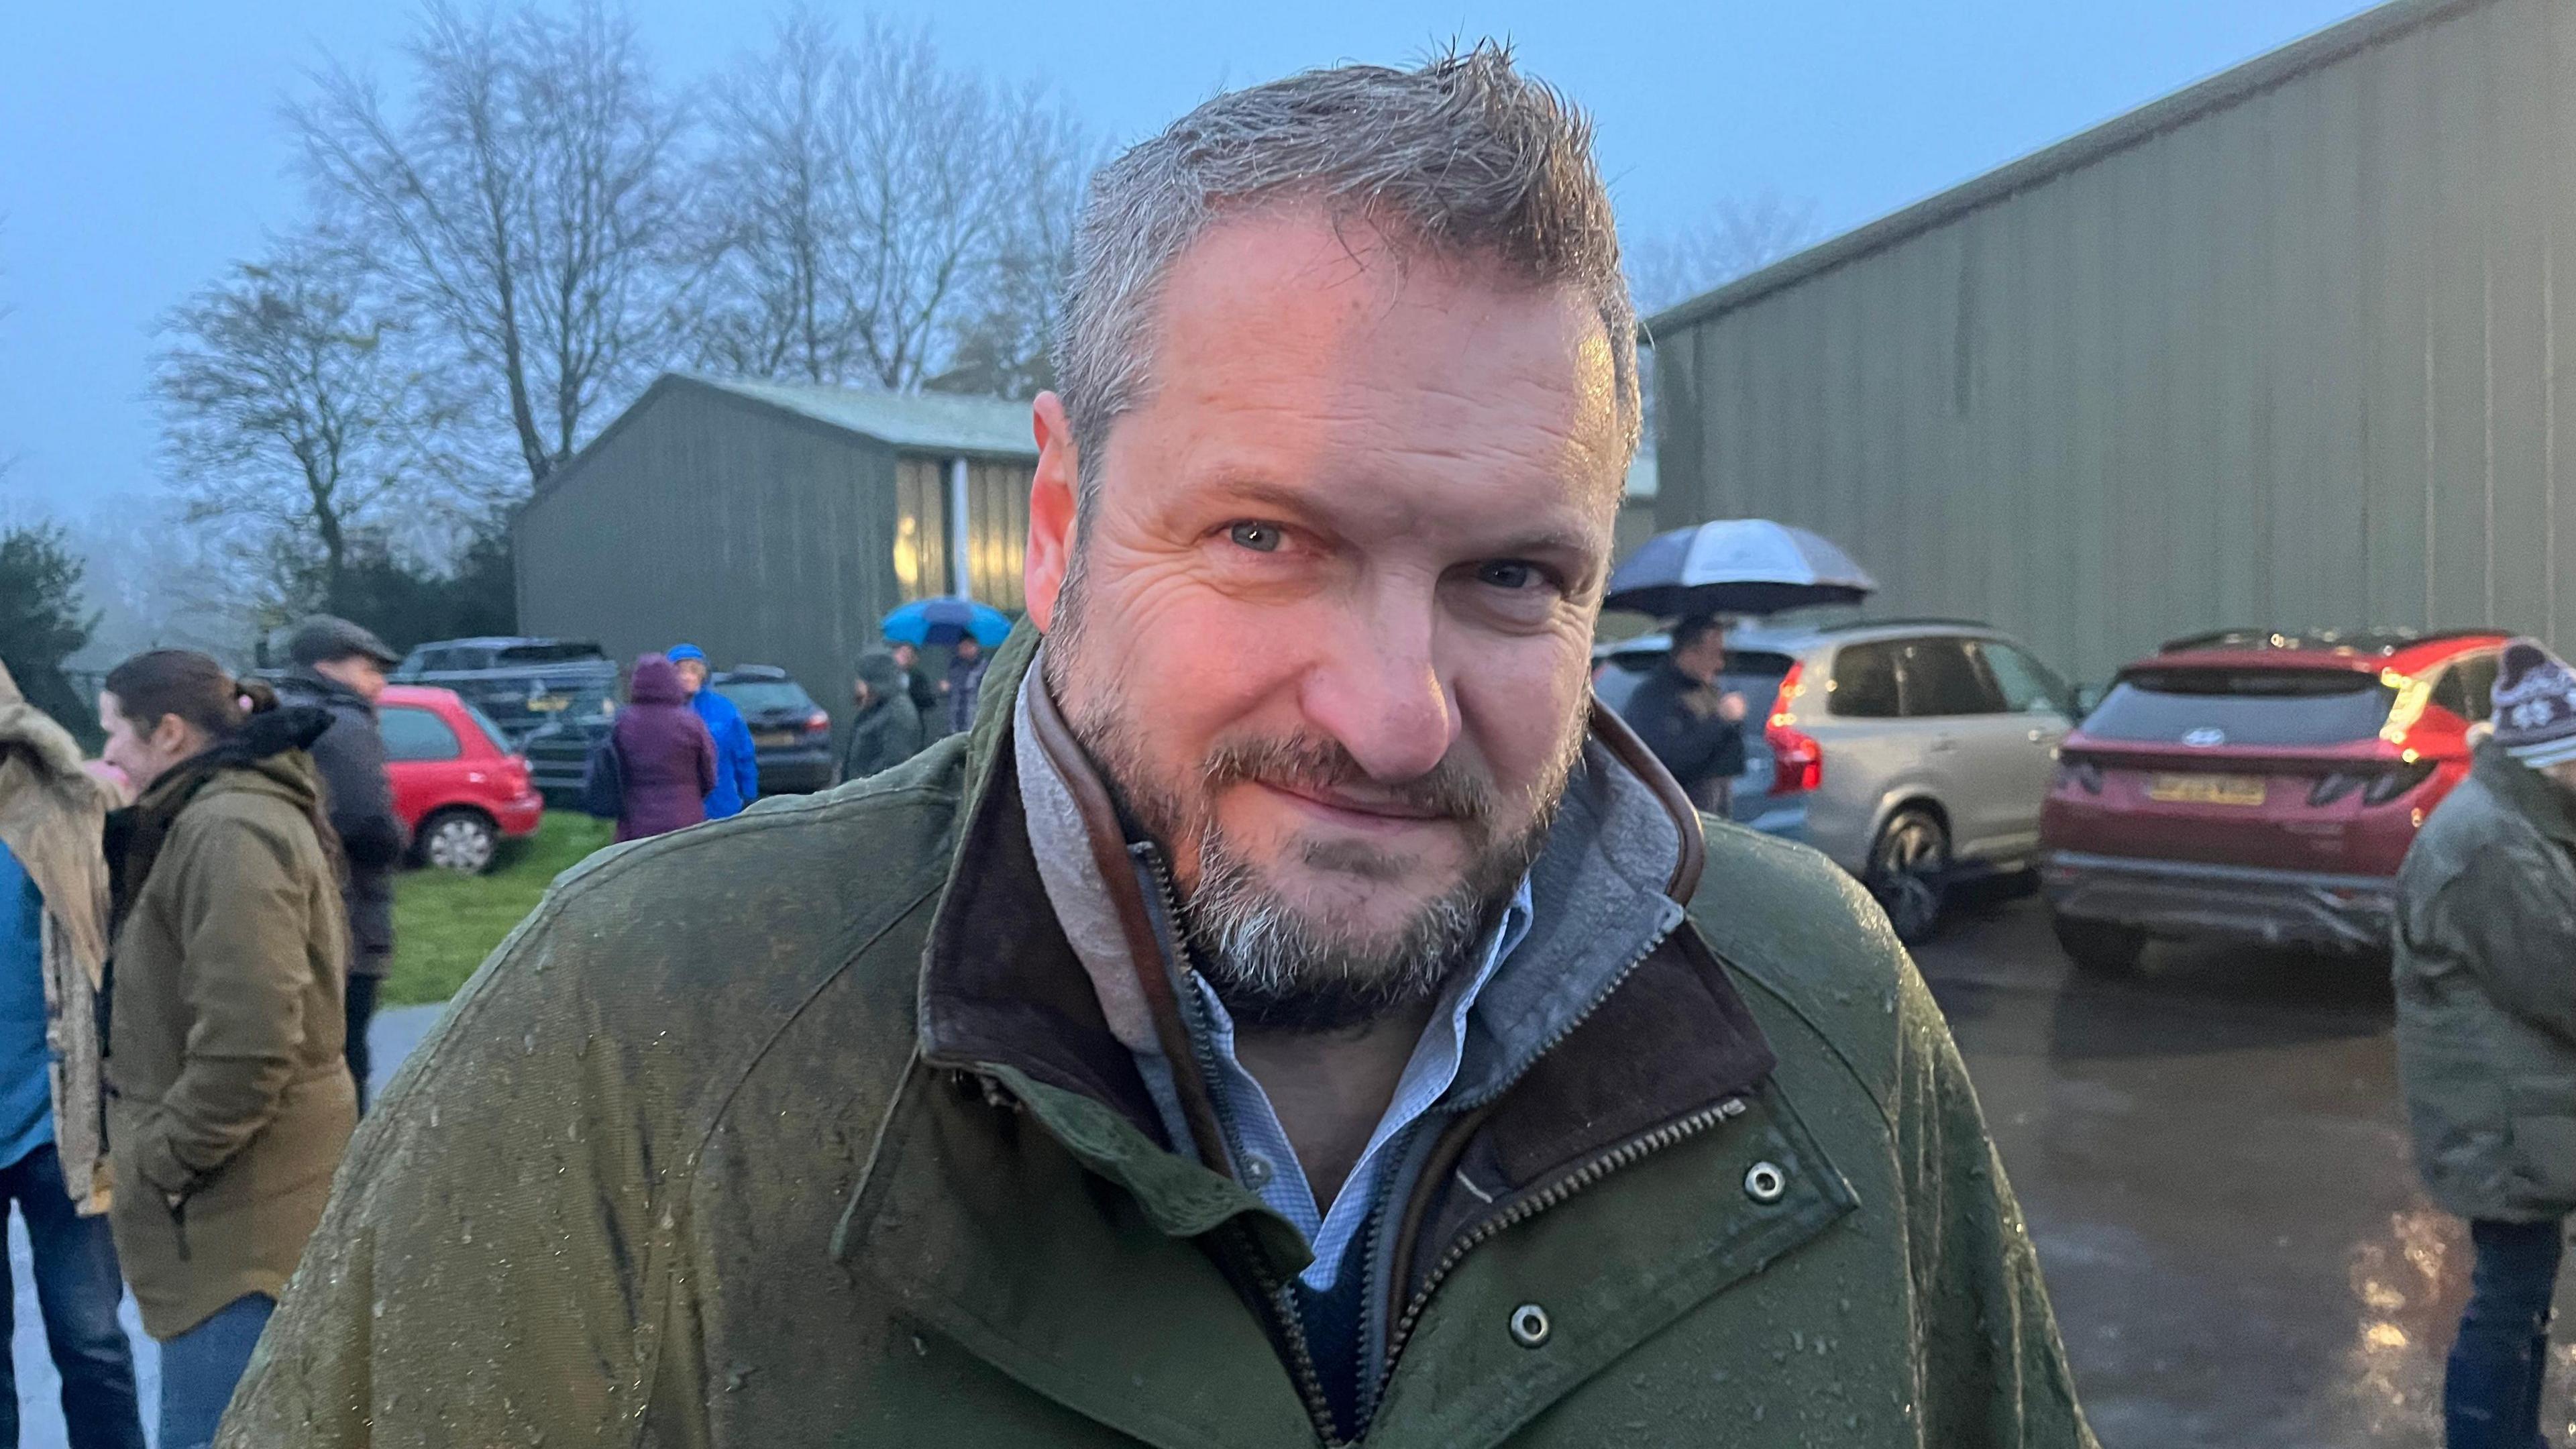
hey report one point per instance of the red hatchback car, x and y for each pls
(458, 788)
(2257, 787)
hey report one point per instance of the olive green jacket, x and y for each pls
(2486, 994)
(807, 1128)
(227, 1088)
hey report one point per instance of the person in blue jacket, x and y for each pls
(737, 763)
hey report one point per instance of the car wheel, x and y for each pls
(2102, 948)
(1909, 870)
(459, 840)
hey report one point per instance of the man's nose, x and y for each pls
(1382, 696)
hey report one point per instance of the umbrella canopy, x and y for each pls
(1736, 566)
(943, 621)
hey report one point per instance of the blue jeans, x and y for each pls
(200, 1367)
(2491, 1395)
(77, 1288)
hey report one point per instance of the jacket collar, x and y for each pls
(2547, 804)
(310, 686)
(1004, 989)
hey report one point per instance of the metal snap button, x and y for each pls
(1529, 1325)
(1764, 1182)
(1256, 1172)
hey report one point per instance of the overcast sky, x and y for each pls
(140, 149)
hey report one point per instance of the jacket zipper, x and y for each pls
(1281, 1298)
(1563, 1188)
(1627, 1154)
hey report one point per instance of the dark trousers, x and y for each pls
(362, 1011)
(201, 1367)
(77, 1287)
(2491, 1394)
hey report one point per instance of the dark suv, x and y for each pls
(790, 732)
(522, 684)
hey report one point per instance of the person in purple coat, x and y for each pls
(665, 757)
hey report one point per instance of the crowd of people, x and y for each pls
(193, 929)
(680, 752)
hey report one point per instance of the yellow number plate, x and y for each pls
(549, 703)
(2206, 789)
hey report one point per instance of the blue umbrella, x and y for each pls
(1736, 566)
(943, 620)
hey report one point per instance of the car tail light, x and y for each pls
(2393, 783)
(1797, 761)
(818, 723)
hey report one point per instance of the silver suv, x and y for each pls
(1915, 753)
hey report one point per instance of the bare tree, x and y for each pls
(779, 239)
(1729, 240)
(525, 205)
(289, 416)
(874, 214)
(1001, 345)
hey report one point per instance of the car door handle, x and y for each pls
(1943, 744)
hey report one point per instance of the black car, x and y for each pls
(789, 730)
(523, 684)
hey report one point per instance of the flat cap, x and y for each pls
(322, 638)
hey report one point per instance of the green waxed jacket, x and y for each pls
(2486, 994)
(805, 1128)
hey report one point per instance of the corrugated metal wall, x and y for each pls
(700, 517)
(2291, 362)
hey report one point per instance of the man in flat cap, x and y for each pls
(340, 667)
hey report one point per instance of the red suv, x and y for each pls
(2257, 787)
(458, 788)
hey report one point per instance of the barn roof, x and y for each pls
(912, 422)
(2228, 87)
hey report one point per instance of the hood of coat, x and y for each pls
(267, 754)
(656, 680)
(50, 819)
(23, 727)
(883, 677)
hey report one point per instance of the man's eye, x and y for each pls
(1509, 574)
(1258, 537)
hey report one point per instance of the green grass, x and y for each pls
(445, 923)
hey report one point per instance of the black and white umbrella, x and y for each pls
(1736, 566)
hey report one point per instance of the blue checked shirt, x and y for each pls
(1269, 1164)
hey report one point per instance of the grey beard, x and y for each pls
(1276, 970)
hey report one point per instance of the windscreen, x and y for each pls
(766, 696)
(557, 653)
(2213, 707)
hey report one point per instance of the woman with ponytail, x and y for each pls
(229, 1098)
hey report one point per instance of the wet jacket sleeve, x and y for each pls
(1993, 1371)
(351, 756)
(245, 930)
(495, 1264)
(2517, 943)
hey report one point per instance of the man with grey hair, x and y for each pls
(1291, 1015)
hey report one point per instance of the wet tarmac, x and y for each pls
(2213, 1159)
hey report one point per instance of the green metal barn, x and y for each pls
(776, 524)
(2282, 349)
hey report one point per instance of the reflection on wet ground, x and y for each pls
(2213, 1158)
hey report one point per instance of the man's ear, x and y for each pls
(1054, 499)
